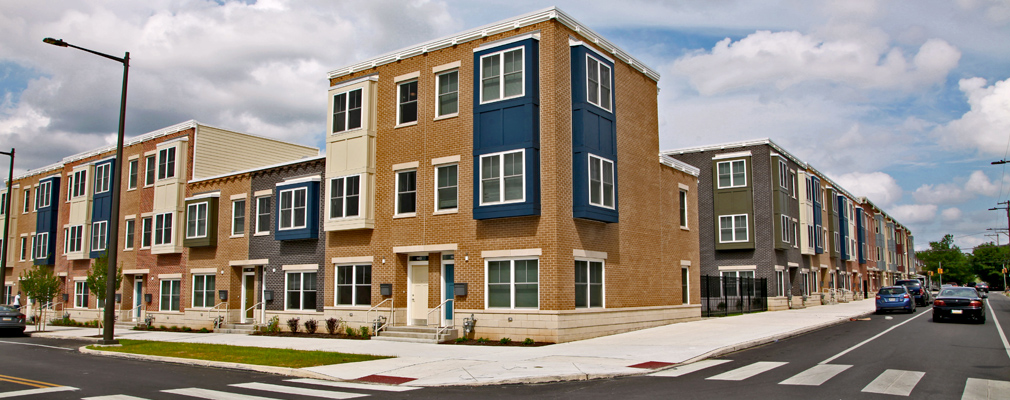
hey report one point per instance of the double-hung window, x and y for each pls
(293, 203)
(103, 178)
(683, 208)
(406, 109)
(80, 294)
(170, 291)
(780, 283)
(134, 173)
(131, 226)
(45, 194)
(74, 238)
(783, 174)
(166, 163)
(601, 182)
(238, 218)
(262, 214)
(354, 285)
(41, 246)
(448, 94)
(79, 183)
(345, 196)
(406, 192)
(513, 284)
(28, 201)
(163, 229)
(196, 220)
(99, 235)
(501, 75)
(301, 291)
(146, 227)
(447, 187)
(151, 165)
(598, 85)
(203, 290)
(786, 229)
(502, 178)
(732, 174)
(3, 203)
(24, 249)
(733, 228)
(35, 205)
(588, 284)
(347, 111)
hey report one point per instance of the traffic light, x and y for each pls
(940, 271)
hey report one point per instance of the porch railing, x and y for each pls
(376, 325)
(446, 304)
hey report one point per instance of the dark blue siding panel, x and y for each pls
(843, 228)
(101, 204)
(46, 220)
(593, 132)
(818, 218)
(860, 235)
(491, 128)
(311, 230)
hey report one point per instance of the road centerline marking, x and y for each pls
(28, 382)
(860, 344)
(747, 371)
(37, 345)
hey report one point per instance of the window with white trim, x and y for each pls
(103, 177)
(28, 201)
(347, 111)
(146, 232)
(170, 294)
(448, 94)
(203, 290)
(502, 75)
(131, 226)
(685, 285)
(74, 239)
(263, 214)
(785, 229)
(196, 220)
(24, 249)
(163, 229)
(238, 217)
(598, 79)
(406, 109)
(601, 181)
(805, 281)
(3, 205)
(502, 178)
(837, 244)
(45, 194)
(166, 163)
(588, 284)
(446, 187)
(41, 244)
(737, 283)
(733, 228)
(80, 294)
(35, 205)
(683, 208)
(783, 174)
(131, 183)
(293, 208)
(354, 285)
(345, 196)
(151, 166)
(792, 183)
(780, 280)
(99, 235)
(79, 183)
(513, 283)
(31, 249)
(732, 174)
(406, 192)
(300, 293)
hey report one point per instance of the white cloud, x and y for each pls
(985, 127)
(958, 191)
(914, 213)
(784, 59)
(951, 214)
(879, 187)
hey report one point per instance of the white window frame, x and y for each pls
(150, 170)
(685, 284)
(35, 204)
(792, 183)
(301, 289)
(294, 207)
(589, 284)
(133, 179)
(601, 185)
(512, 282)
(45, 194)
(347, 110)
(785, 228)
(174, 286)
(400, 87)
(24, 251)
(501, 75)
(99, 231)
(166, 156)
(235, 217)
(438, 93)
(682, 209)
(205, 293)
(31, 250)
(81, 294)
(129, 241)
(103, 178)
(780, 281)
(438, 186)
(397, 192)
(344, 196)
(41, 244)
(146, 232)
(166, 231)
(732, 182)
(590, 87)
(193, 210)
(732, 219)
(28, 204)
(261, 210)
(783, 174)
(78, 184)
(75, 238)
(354, 285)
(501, 178)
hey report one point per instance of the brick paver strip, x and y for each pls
(389, 380)
(651, 365)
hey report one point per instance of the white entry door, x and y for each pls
(138, 296)
(418, 294)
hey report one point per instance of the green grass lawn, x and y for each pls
(237, 354)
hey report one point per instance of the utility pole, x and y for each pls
(1006, 206)
(995, 235)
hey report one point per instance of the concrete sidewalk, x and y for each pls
(631, 353)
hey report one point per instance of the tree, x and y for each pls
(40, 285)
(96, 278)
(987, 261)
(955, 263)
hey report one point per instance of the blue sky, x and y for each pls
(904, 102)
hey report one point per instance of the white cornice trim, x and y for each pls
(679, 165)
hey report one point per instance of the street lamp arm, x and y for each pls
(61, 43)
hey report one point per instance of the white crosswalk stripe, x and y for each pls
(214, 394)
(816, 375)
(895, 382)
(352, 385)
(326, 394)
(984, 389)
(689, 368)
(748, 371)
(27, 392)
(114, 397)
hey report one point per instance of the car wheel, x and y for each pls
(937, 318)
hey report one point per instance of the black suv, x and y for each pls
(919, 293)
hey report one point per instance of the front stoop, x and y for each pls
(415, 334)
(245, 329)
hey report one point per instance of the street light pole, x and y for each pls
(117, 176)
(7, 226)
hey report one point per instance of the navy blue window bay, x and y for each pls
(298, 205)
(594, 132)
(47, 218)
(509, 124)
(101, 203)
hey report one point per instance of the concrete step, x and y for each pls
(415, 334)
(245, 329)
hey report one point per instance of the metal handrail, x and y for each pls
(250, 308)
(218, 320)
(441, 328)
(375, 308)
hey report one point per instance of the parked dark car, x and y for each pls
(983, 289)
(960, 303)
(921, 295)
(11, 319)
(894, 298)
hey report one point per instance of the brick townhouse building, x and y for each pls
(764, 213)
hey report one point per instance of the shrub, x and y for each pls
(311, 326)
(364, 331)
(204, 330)
(332, 326)
(351, 331)
(164, 328)
(528, 341)
(505, 340)
(174, 328)
(483, 340)
(293, 325)
(460, 339)
(187, 329)
(274, 325)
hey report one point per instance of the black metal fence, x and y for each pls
(721, 296)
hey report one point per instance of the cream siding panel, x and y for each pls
(806, 213)
(353, 152)
(219, 152)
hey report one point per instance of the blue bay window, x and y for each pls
(297, 213)
(594, 136)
